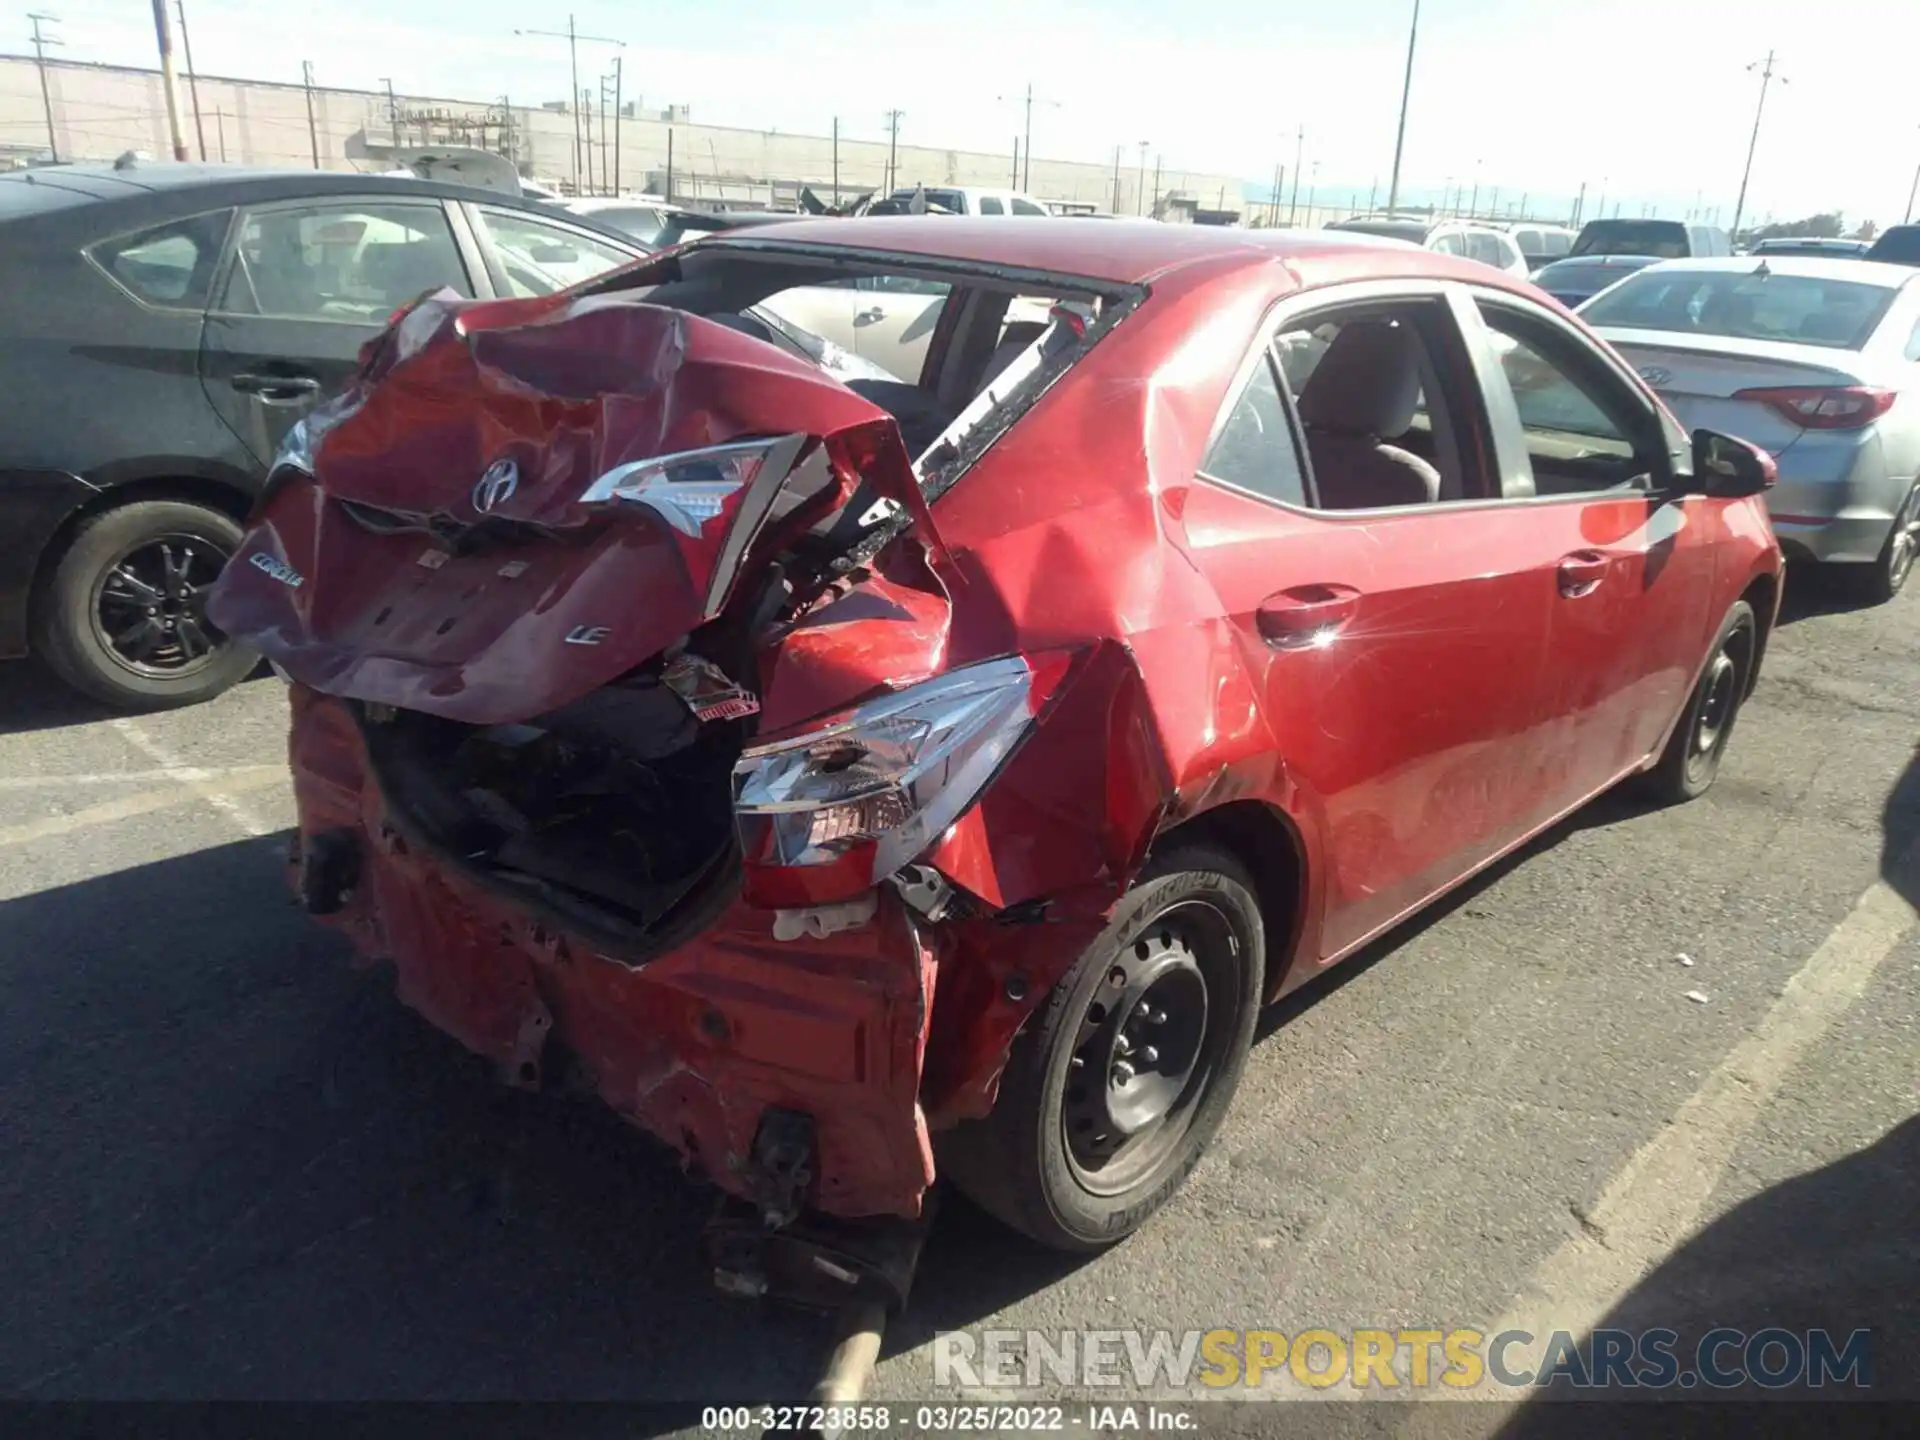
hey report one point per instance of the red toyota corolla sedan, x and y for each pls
(854, 775)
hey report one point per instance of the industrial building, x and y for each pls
(96, 112)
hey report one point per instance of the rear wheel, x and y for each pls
(1690, 762)
(1117, 1084)
(1883, 579)
(122, 615)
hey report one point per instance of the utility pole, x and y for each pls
(836, 162)
(1153, 207)
(1473, 201)
(619, 107)
(1373, 194)
(1406, 93)
(607, 177)
(1279, 180)
(1493, 202)
(1600, 210)
(1766, 79)
(193, 81)
(1313, 185)
(573, 38)
(1027, 141)
(1116, 179)
(893, 150)
(1140, 185)
(1014, 183)
(220, 119)
(169, 81)
(313, 131)
(40, 42)
(583, 102)
(393, 110)
(1912, 192)
(1299, 146)
(1579, 205)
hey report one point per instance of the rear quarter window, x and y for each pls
(168, 265)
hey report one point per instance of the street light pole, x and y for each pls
(313, 130)
(1753, 141)
(1406, 93)
(1299, 146)
(1140, 185)
(1911, 193)
(40, 42)
(893, 150)
(1024, 176)
(573, 38)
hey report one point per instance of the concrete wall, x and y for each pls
(101, 111)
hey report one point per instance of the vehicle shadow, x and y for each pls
(32, 699)
(1900, 832)
(1813, 590)
(239, 1169)
(1837, 1249)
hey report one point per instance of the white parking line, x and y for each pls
(216, 792)
(225, 775)
(1657, 1200)
(204, 783)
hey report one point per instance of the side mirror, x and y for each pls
(1730, 468)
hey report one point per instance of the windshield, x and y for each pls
(1663, 239)
(1755, 305)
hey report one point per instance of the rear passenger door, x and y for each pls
(1399, 647)
(305, 285)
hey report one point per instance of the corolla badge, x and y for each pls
(276, 568)
(1655, 376)
(496, 486)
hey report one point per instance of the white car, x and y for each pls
(958, 200)
(1541, 245)
(644, 217)
(1450, 237)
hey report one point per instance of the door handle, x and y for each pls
(283, 388)
(1581, 573)
(870, 317)
(1306, 615)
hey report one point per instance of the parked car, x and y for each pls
(1541, 244)
(853, 799)
(1661, 239)
(1446, 237)
(1809, 245)
(169, 325)
(1574, 282)
(957, 200)
(644, 217)
(1897, 245)
(1817, 361)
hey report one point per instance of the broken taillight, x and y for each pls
(826, 814)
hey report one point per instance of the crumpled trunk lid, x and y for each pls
(467, 539)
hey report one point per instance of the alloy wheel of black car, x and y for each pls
(120, 613)
(149, 608)
(1118, 1082)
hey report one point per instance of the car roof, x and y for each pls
(234, 184)
(1813, 267)
(1125, 252)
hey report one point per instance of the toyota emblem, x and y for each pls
(496, 486)
(1653, 375)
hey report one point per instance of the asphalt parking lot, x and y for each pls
(237, 1168)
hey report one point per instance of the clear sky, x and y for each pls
(1649, 99)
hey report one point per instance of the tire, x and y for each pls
(1882, 580)
(1687, 767)
(1035, 1162)
(161, 551)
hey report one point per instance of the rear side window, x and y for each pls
(1026, 207)
(1451, 243)
(990, 206)
(1754, 305)
(1662, 239)
(1484, 246)
(1255, 450)
(169, 265)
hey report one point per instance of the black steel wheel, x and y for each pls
(121, 613)
(1120, 1080)
(1691, 761)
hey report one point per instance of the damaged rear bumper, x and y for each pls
(786, 1073)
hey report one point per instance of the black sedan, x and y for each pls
(1575, 281)
(161, 329)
